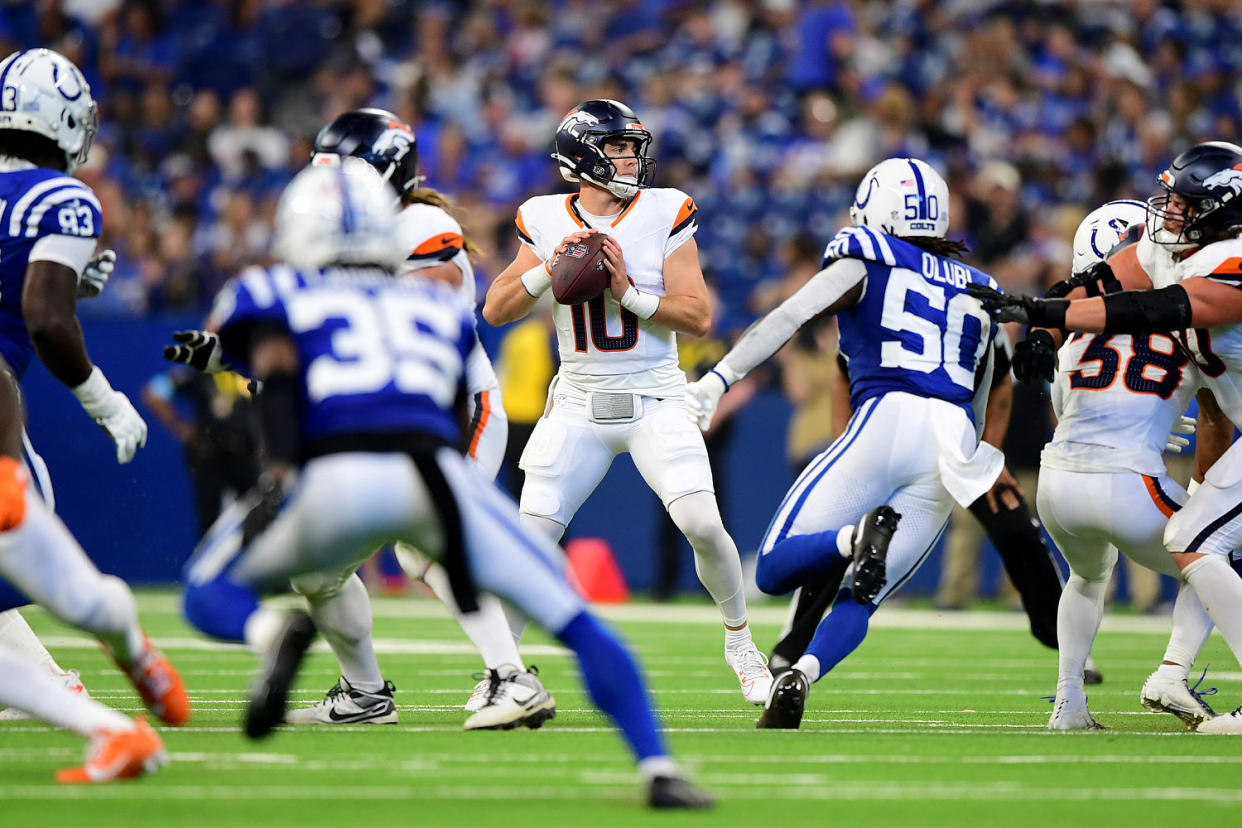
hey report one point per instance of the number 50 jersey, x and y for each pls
(378, 354)
(915, 328)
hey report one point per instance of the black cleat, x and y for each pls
(270, 692)
(1090, 676)
(783, 709)
(871, 540)
(675, 792)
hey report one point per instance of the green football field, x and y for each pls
(938, 720)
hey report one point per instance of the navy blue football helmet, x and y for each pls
(580, 146)
(1209, 177)
(376, 136)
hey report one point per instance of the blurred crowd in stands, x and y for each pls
(767, 112)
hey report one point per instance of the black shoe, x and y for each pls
(1090, 676)
(783, 709)
(871, 539)
(270, 692)
(675, 792)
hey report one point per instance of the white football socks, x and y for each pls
(1078, 619)
(809, 666)
(29, 688)
(16, 634)
(1191, 628)
(1220, 590)
(343, 616)
(715, 555)
(487, 628)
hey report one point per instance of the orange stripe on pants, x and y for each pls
(1150, 483)
(484, 412)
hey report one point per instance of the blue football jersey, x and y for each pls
(378, 354)
(915, 329)
(35, 203)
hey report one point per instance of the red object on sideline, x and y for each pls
(593, 571)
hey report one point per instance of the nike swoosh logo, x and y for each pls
(369, 713)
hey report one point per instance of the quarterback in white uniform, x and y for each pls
(619, 388)
(1200, 217)
(1103, 484)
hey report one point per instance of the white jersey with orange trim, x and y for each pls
(434, 237)
(604, 347)
(1116, 399)
(1218, 351)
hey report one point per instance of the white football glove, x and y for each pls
(1175, 444)
(114, 413)
(703, 396)
(198, 349)
(96, 274)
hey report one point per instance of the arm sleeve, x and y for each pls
(767, 335)
(71, 251)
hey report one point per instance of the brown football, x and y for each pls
(580, 274)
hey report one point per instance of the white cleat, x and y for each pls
(1168, 695)
(1069, 712)
(73, 683)
(1227, 724)
(751, 668)
(478, 696)
(346, 705)
(514, 697)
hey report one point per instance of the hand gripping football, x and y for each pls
(579, 274)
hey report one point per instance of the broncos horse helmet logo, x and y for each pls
(1229, 178)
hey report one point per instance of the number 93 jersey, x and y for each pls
(377, 353)
(604, 347)
(55, 217)
(1116, 398)
(915, 329)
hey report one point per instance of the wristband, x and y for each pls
(93, 391)
(726, 374)
(537, 280)
(643, 305)
(1048, 313)
(721, 377)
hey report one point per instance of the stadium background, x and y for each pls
(766, 112)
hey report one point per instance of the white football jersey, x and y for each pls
(604, 347)
(1218, 351)
(1116, 400)
(433, 237)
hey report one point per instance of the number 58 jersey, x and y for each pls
(378, 354)
(604, 347)
(1116, 398)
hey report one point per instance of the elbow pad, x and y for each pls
(1144, 311)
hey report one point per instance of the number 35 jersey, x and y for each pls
(1116, 398)
(47, 213)
(377, 353)
(604, 347)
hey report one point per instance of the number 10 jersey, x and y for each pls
(604, 347)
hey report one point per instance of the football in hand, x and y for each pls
(580, 273)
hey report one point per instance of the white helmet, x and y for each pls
(903, 197)
(41, 91)
(1102, 229)
(338, 214)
